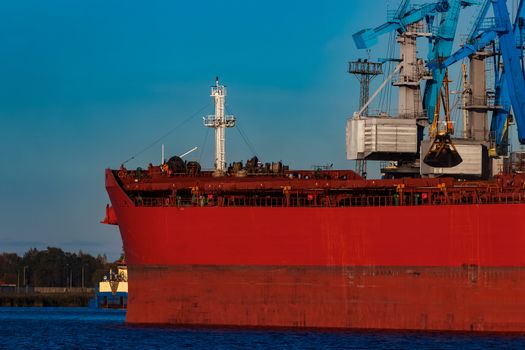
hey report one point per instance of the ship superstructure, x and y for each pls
(112, 291)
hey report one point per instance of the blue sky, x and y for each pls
(86, 85)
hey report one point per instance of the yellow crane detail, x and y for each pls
(442, 152)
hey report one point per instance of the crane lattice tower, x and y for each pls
(364, 71)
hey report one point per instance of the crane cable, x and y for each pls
(243, 135)
(204, 144)
(190, 117)
(385, 96)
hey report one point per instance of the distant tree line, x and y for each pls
(53, 267)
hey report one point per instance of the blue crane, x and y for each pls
(511, 56)
(442, 43)
(477, 40)
(510, 82)
(402, 18)
(499, 121)
(442, 48)
(471, 47)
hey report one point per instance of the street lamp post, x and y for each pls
(66, 277)
(25, 281)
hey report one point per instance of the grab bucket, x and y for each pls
(442, 153)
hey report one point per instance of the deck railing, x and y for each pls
(405, 199)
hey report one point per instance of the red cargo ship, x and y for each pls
(262, 245)
(322, 251)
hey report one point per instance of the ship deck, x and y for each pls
(325, 188)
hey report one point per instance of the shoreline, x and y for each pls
(67, 299)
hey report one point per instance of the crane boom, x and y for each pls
(478, 43)
(442, 49)
(511, 59)
(402, 18)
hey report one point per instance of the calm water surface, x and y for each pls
(83, 328)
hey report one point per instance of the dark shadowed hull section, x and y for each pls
(419, 298)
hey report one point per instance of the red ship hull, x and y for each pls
(415, 298)
(369, 267)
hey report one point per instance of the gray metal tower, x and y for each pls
(364, 71)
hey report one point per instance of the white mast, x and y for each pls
(219, 122)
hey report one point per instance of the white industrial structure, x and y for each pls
(219, 122)
(381, 137)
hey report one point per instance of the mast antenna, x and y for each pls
(219, 122)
